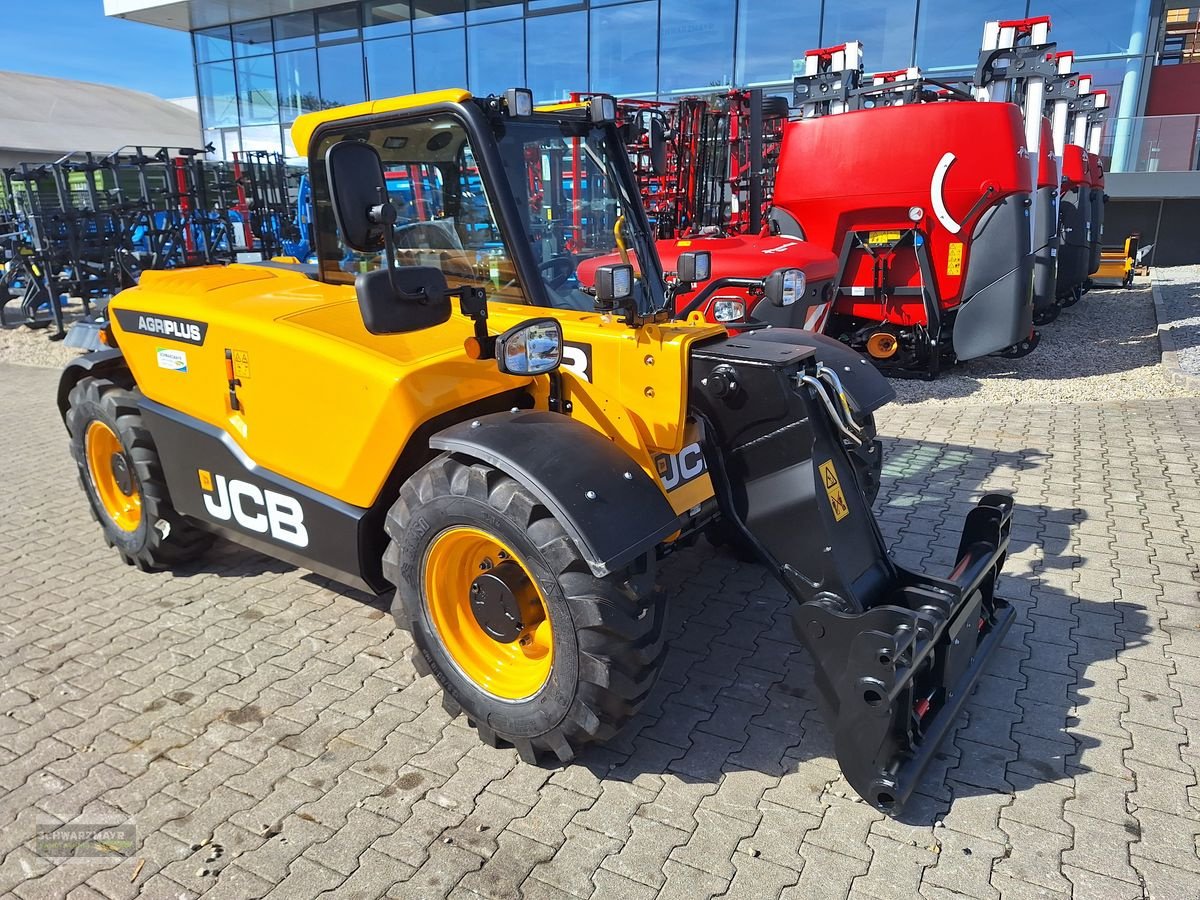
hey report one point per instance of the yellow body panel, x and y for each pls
(328, 404)
(305, 125)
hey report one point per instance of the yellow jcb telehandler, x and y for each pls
(437, 409)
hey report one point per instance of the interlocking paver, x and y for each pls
(244, 694)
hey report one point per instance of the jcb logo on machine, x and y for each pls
(258, 510)
(676, 470)
(837, 499)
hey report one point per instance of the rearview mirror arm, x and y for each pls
(472, 303)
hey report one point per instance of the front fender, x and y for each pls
(609, 506)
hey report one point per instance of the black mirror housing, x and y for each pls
(358, 190)
(403, 299)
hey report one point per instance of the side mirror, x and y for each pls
(614, 285)
(784, 287)
(402, 299)
(358, 189)
(657, 140)
(532, 348)
(694, 267)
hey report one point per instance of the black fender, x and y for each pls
(609, 506)
(869, 388)
(99, 362)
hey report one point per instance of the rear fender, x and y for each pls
(612, 510)
(101, 362)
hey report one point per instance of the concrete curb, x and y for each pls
(1171, 370)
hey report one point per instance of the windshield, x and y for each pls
(568, 194)
(574, 204)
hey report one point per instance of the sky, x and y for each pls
(74, 39)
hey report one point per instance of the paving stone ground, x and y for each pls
(268, 736)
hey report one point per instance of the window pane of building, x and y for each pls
(949, 32)
(385, 18)
(218, 96)
(341, 69)
(772, 33)
(263, 137)
(340, 24)
(559, 64)
(440, 60)
(213, 44)
(493, 10)
(884, 26)
(624, 47)
(296, 73)
(549, 5)
(1101, 26)
(256, 90)
(433, 15)
(496, 56)
(389, 67)
(295, 31)
(252, 38)
(696, 49)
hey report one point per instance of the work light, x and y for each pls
(603, 108)
(519, 102)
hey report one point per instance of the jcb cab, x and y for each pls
(435, 409)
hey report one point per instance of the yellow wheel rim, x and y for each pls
(112, 476)
(488, 612)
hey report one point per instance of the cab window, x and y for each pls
(444, 218)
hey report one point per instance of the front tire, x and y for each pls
(121, 474)
(504, 612)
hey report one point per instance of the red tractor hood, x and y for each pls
(742, 256)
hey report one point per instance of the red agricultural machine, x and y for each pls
(705, 169)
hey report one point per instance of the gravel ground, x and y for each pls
(1103, 348)
(33, 347)
(1179, 290)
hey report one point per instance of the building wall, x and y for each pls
(254, 77)
(1174, 91)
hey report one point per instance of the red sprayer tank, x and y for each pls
(927, 207)
(1075, 220)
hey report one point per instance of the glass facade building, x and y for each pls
(255, 76)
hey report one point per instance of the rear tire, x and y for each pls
(606, 634)
(140, 521)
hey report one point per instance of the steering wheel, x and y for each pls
(436, 237)
(557, 270)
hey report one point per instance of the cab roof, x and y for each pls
(304, 127)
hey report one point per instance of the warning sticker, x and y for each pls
(954, 259)
(837, 500)
(241, 364)
(876, 238)
(206, 482)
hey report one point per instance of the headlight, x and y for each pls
(532, 348)
(729, 310)
(794, 284)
